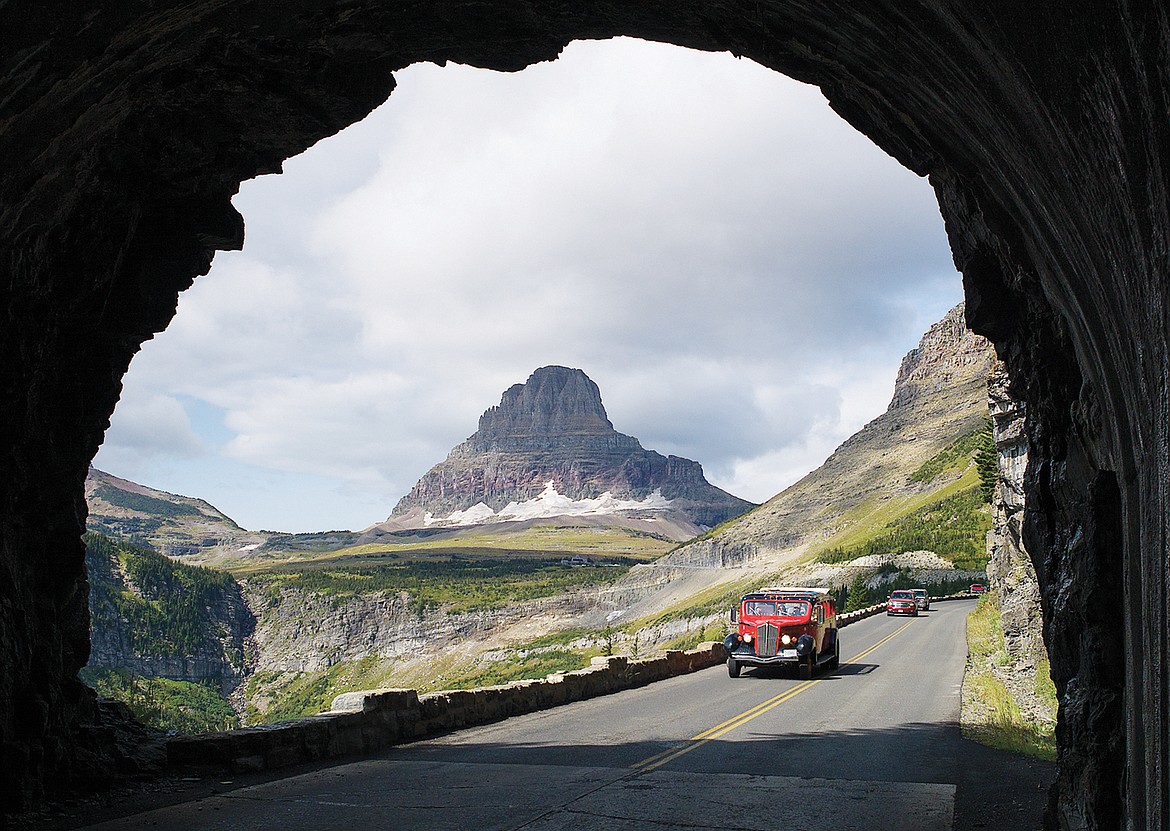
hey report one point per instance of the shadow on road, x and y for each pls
(822, 674)
(994, 789)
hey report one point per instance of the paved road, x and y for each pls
(873, 745)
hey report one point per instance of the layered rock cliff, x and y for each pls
(1010, 572)
(303, 631)
(550, 437)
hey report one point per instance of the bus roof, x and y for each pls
(802, 592)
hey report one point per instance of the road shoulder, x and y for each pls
(1001, 790)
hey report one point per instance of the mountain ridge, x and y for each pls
(940, 394)
(172, 524)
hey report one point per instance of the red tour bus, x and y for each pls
(784, 626)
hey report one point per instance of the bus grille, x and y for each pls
(767, 640)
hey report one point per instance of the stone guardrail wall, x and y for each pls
(364, 722)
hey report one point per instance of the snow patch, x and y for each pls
(475, 515)
(550, 503)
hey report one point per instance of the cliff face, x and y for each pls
(157, 618)
(553, 429)
(302, 631)
(1009, 569)
(161, 619)
(940, 395)
(949, 356)
(557, 408)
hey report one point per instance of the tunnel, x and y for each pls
(1043, 128)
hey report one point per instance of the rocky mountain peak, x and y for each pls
(549, 441)
(555, 400)
(945, 356)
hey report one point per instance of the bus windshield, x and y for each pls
(775, 608)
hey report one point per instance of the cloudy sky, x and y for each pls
(737, 268)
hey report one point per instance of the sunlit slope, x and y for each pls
(179, 526)
(940, 397)
(199, 533)
(544, 541)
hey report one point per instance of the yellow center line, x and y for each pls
(882, 642)
(720, 730)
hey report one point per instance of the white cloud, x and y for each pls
(737, 269)
(150, 427)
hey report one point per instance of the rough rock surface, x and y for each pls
(924, 566)
(126, 129)
(1009, 570)
(940, 394)
(553, 428)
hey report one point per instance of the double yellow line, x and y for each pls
(720, 730)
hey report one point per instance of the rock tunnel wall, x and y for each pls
(126, 128)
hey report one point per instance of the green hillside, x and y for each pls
(951, 519)
(955, 518)
(183, 707)
(544, 542)
(148, 611)
(954, 527)
(161, 605)
(455, 584)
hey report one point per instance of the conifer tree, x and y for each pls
(986, 463)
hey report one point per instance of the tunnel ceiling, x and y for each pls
(126, 128)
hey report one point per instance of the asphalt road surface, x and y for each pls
(875, 744)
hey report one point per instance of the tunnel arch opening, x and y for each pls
(893, 210)
(1032, 124)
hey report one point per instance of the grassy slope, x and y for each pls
(454, 585)
(161, 520)
(901, 460)
(867, 521)
(990, 715)
(863, 523)
(175, 706)
(914, 522)
(954, 527)
(541, 542)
